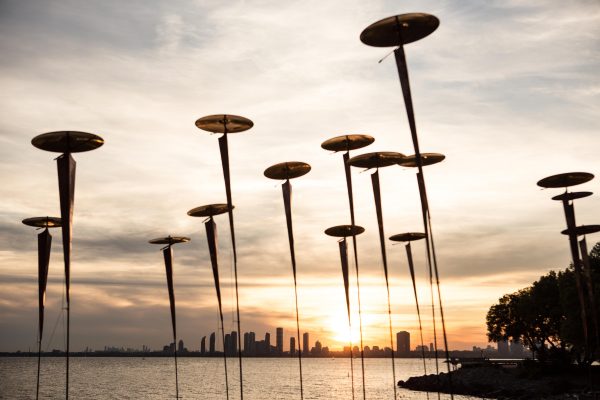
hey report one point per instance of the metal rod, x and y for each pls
(44, 246)
(287, 201)
(344, 258)
(352, 221)
(168, 256)
(377, 195)
(590, 288)
(412, 276)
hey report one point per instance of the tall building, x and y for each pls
(227, 343)
(212, 343)
(180, 347)
(267, 343)
(203, 345)
(403, 342)
(233, 343)
(246, 344)
(305, 345)
(279, 344)
(292, 346)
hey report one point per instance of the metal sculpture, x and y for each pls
(346, 143)
(226, 124)
(44, 246)
(168, 256)
(208, 212)
(564, 181)
(286, 171)
(343, 231)
(67, 142)
(379, 160)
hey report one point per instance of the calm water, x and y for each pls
(203, 378)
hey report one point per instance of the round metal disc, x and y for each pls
(407, 237)
(583, 230)
(43, 222)
(347, 142)
(566, 180)
(344, 230)
(572, 196)
(400, 29)
(170, 240)
(287, 170)
(426, 159)
(378, 159)
(67, 141)
(219, 123)
(209, 210)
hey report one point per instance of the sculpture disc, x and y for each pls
(67, 141)
(170, 240)
(347, 142)
(565, 180)
(287, 170)
(407, 237)
(583, 230)
(399, 29)
(43, 222)
(572, 196)
(377, 159)
(220, 122)
(426, 159)
(344, 230)
(209, 210)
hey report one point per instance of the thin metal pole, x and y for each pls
(168, 256)
(412, 276)
(344, 258)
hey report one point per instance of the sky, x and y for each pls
(509, 91)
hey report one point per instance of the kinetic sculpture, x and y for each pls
(346, 143)
(379, 160)
(286, 171)
(226, 124)
(168, 255)
(67, 142)
(44, 246)
(208, 212)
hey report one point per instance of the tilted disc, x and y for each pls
(426, 159)
(43, 222)
(67, 141)
(344, 230)
(170, 240)
(221, 123)
(347, 142)
(565, 180)
(378, 159)
(407, 237)
(287, 170)
(399, 29)
(583, 230)
(572, 196)
(209, 210)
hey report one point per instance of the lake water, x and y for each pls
(203, 378)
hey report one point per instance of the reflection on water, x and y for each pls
(202, 378)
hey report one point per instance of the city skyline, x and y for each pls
(139, 75)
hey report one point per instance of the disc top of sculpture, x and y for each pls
(583, 230)
(287, 170)
(572, 196)
(170, 240)
(399, 29)
(209, 210)
(221, 123)
(377, 159)
(67, 141)
(344, 230)
(565, 180)
(426, 159)
(407, 237)
(347, 142)
(43, 222)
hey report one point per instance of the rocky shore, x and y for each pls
(512, 383)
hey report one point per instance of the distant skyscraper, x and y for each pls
(267, 343)
(203, 345)
(180, 347)
(252, 343)
(305, 345)
(279, 345)
(212, 343)
(403, 342)
(227, 344)
(246, 343)
(233, 343)
(292, 346)
(431, 348)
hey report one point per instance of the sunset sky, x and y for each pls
(508, 90)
